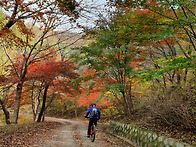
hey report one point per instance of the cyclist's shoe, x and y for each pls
(88, 136)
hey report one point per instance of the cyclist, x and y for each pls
(94, 116)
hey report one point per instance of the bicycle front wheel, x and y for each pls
(93, 133)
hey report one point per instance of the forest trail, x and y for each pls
(74, 134)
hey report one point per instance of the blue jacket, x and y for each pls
(90, 112)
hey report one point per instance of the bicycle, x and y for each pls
(92, 131)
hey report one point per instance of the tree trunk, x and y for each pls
(178, 78)
(43, 117)
(35, 107)
(129, 98)
(6, 113)
(43, 104)
(127, 104)
(75, 110)
(17, 103)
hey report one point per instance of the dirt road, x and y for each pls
(73, 134)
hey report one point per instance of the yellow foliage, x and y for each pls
(110, 112)
(24, 120)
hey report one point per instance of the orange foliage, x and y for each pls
(2, 78)
(89, 72)
(70, 98)
(135, 64)
(10, 99)
(105, 80)
(48, 70)
(85, 100)
(143, 11)
(168, 40)
(93, 96)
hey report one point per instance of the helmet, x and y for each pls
(93, 104)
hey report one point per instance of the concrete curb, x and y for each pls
(141, 137)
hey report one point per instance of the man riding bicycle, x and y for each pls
(94, 116)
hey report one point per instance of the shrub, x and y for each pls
(65, 109)
(175, 108)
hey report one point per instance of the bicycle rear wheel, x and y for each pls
(93, 133)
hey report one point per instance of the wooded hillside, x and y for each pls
(137, 63)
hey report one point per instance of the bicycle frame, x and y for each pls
(92, 132)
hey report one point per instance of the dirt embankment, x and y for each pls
(26, 135)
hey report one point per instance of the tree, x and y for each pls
(45, 77)
(3, 99)
(91, 90)
(30, 54)
(22, 10)
(166, 27)
(48, 16)
(47, 72)
(113, 60)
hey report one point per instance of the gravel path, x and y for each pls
(73, 134)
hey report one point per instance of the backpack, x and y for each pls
(94, 112)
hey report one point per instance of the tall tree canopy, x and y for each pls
(114, 61)
(44, 15)
(166, 29)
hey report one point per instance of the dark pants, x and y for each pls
(91, 121)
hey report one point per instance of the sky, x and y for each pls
(92, 10)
